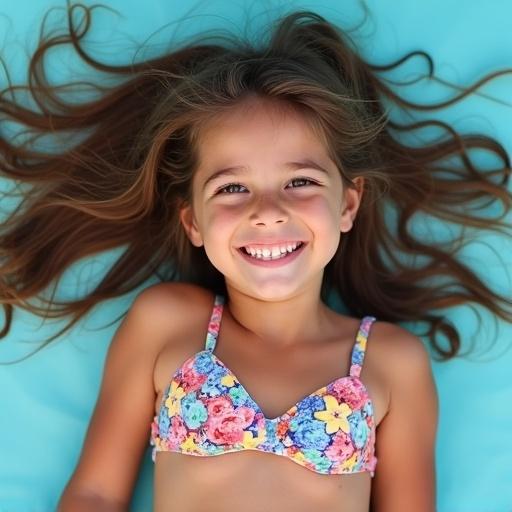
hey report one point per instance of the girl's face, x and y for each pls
(277, 187)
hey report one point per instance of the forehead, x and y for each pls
(258, 130)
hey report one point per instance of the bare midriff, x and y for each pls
(253, 481)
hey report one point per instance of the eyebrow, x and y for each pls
(292, 166)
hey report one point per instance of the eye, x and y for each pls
(303, 180)
(230, 188)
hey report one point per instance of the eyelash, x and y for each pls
(219, 191)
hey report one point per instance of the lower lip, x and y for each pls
(272, 263)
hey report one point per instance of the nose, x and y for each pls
(268, 210)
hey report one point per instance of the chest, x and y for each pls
(279, 379)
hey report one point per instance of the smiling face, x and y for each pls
(278, 188)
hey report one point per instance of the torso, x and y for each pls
(252, 480)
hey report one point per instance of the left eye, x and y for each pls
(303, 180)
(235, 187)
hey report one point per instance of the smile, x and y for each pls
(272, 258)
(272, 252)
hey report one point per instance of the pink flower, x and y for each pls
(214, 325)
(229, 427)
(219, 406)
(341, 448)
(369, 445)
(350, 391)
(177, 432)
(154, 429)
(191, 380)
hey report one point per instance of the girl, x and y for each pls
(259, 174)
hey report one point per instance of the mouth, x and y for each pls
(271, 253)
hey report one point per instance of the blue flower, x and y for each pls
(357, 356)
(311, 404)
(163, 421)
(321, 462)
(194, 412)
(271, 431)
(203, 363)
(212, 448)
(368, 409)
(212, 385)
(311, 434)
(238, 395)
(358, 428)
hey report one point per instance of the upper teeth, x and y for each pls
(271, 251)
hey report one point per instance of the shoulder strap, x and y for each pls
(214, 324)
(357, 358)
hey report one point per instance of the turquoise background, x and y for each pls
(46, 401)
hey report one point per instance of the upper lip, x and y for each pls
(271, 244)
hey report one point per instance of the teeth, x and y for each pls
(273, 253)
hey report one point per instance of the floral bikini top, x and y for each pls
(205, 411)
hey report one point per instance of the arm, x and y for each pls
(77, 502)
(118, 433)
(405, 474)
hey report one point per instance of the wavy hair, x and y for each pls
(123, 183)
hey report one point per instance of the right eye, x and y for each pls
(229, 189)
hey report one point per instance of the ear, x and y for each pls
(351, 203)
(189, 223)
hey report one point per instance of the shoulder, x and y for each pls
(171, 306)
(398, 348)
(406, 366)
(170, 299)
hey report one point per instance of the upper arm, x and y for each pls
(405, 447)
(119, 430)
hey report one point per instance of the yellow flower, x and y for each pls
(335, 415)
(228, 380)
(249, 441)
(350, 463)
(189, 445)
(299, 456)
(176, 393)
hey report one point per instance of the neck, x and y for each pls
(295, 320)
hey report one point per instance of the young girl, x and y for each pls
(259, 174)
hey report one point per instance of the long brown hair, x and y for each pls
(123, 183)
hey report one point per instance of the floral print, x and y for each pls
(207, 411)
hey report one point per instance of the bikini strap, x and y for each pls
(357, 358)
(214, 324)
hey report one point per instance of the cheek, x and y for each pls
(324, 219)
(322, 212)
(220, 223)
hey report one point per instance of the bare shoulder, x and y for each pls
(403, 357)
(171, 305)
(398, 347)
(177, 293)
